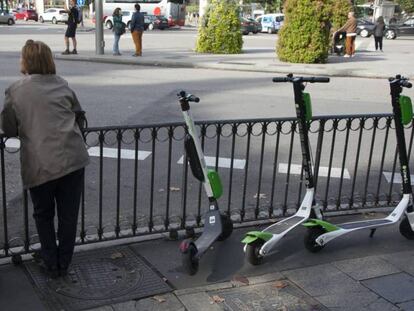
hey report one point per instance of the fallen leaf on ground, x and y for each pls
(117, 255)
(241, 279)
(159, 299)
(261, 196)
(280, 284)
(217, 299)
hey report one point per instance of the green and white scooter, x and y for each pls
(321, 232)
(261, 243)
(217, 226)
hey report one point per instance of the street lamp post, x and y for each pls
(99, 38)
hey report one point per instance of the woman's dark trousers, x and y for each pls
(378, 43)
(64, 193)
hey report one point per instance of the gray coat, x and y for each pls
(40, 110)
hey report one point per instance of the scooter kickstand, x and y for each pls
(371, 235)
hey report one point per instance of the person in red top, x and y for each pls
(350, 28)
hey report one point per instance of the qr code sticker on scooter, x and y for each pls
(212, 220)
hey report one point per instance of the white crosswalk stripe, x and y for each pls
(222, 162)
(113, 153)
(323, 170)
(397, 178)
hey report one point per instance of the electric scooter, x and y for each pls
(321, 232)
(261, 243)
(217, 226)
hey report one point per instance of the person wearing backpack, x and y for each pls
(73, 21)
(118, 29)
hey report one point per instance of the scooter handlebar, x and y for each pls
(188, 97)
(291, 78)
(402, 81)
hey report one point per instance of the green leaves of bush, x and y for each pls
(219, 30)
(304, 37)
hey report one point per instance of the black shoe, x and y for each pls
(65, 52)
(74, 51)
(63, 272)
(51, 272)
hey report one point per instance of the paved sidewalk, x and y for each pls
(353, 273)
(366, 64)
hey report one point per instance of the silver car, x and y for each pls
(7, 18)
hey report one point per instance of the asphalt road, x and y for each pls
(119, 95)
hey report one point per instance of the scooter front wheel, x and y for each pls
(252, 252)
(310, 239)
(405, 229)
(226, 227)
(189, 259)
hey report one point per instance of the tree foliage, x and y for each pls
(304, 37)
(406, 5)
(219, 31)
(339, 12)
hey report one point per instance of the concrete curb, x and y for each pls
(222, 65)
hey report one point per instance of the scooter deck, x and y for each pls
(283, 225)
(364, 224)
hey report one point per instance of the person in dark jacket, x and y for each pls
(42, 111)
(350, 28)
(378, 31)
(137, 29)
(71, 29)
(118, 29)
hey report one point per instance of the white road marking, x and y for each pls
(223, 162)
(397, 178)
(323, 170)
(13, 143)
(113, 153)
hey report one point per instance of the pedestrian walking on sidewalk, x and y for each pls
(137, 29)
(378, 30)
(71, 29)
(118, 29)
(43, 112)
(350, 28)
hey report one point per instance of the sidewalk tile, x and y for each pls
(166, 302)
(279, 295)
(407, 306)
(103, 308)
(265, 278)
(125, 306)
(366, 268)
(199, 302)
(16, 291)
(402, 260)
(323, 280)
(396, 288)
(356, 301)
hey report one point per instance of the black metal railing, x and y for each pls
(138, 180)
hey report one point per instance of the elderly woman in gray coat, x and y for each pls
(41, 110)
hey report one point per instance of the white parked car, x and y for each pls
(54, 15)
(271, 23)
(126, 19)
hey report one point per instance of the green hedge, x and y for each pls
(304, 37)
(219, 30)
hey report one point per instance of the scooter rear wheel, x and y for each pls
(227, 227)
(310, 239)
(189, 260)
(405, 229)
(252, 252)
